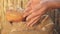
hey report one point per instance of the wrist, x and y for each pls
(54, 4)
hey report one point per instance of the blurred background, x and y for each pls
(21, 4)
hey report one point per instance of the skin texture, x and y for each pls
(36, 8)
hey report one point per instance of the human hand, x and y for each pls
(37, 9)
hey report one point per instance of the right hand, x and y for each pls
(37, 8)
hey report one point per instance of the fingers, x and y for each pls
(29, 3)
(34, 17)
(33, 21)
(34, 14)
(26, 12)
(28, 8)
